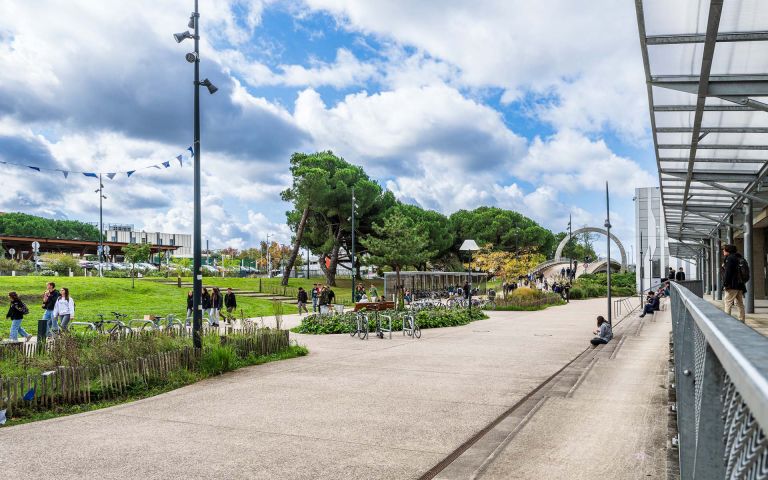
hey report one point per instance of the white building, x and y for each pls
(652, 258)
(127, 234)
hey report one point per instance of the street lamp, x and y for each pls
(100, 191)
(197, 277)
(469, 246)
(354, 293)
(608, 241)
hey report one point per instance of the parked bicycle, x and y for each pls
(359, 326)
(410, 327)
(118, 327)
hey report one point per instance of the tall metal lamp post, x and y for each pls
(469, 246)
(608, 242)
(354, 293)
(100, 191)
(197, 276)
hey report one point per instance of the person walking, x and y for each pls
(230, 302)
(680, 275)
(604, 332)
(302, 300)
(64, 310)
(16, 312)
(735, 278)
(216, 303)
(49, 302)
(190, 306)
(315, 296)
(323, 300)
(205, 302)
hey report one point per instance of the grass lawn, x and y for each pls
(103, 295)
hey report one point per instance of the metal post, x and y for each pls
(269, 260)
(570, 239)
(197, 279)
(608, 243)
(307, 262)
(718, 261)
(713, 267)
(354, 294)
(749, 298)
(640, 266)
(729, 231)
(469, 294)
(101, 228)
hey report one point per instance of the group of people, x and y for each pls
(212, 302)
(322, 298)
(58, 310)
(371, 295)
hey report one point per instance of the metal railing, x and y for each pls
(721, 387)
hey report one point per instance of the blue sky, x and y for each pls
(450, 104)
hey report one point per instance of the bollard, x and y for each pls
(178, 281)
(42, 330)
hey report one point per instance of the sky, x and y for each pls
(530, 106)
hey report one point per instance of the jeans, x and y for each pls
(64, 319)
(53, 324)
(16, 329)
(314, 304)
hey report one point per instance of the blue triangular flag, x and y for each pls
(166, 164)
(30, 395)
(66, 173)
(111, 175)
(91, 175)
(2, 417)
(191, 151)
(130, 172)
(35, 168)
(179, 159)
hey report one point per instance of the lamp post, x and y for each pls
(469, 246)
(608, 242)
(570, 237)
(269, 260)
(100, 191)
(354, 293)
(197, 277)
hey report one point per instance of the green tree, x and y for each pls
(436, 225)
(21, 224)
(504, 229)
(135, 253)
(397, 243)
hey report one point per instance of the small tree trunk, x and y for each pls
(133, 276)
(330, 271)
(296, 246)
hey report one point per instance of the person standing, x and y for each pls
(735, 278)
(373, 294)
(190, 306)
(205, 302)
(49, 302)
(302, 300)
(671, 274)
(230, 302)
(16, 312)
(680, 275)
(216, 303)
(331, 296)
(64, 310)
(315, 296)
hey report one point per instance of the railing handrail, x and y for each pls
(742, 351)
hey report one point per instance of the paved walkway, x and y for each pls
(351, 409)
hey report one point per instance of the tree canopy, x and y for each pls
(24, 225)
(504, 229)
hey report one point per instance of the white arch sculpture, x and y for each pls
(564, 242)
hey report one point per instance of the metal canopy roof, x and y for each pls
(706, 69)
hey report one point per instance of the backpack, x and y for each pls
(743, 270)
(22, 307)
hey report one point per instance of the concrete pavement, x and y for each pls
(351, 409)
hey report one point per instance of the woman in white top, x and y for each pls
(64, 310)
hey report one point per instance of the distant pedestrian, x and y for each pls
(735, 278)
(216, 303)
(373, 294)
(604, 332)
(331, 296)
(190, 305)
(16, 312)
(64, 310)
(671, 274)
(230, 302)
(315, 295)
(465, 289)
(562, 272)
(680, 275)
(302, 300)
(49, 302)
(205, 302)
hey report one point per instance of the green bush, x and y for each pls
(218, 359)
(595, 285)
(342, 323)
(62, 264)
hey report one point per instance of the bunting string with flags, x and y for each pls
(110, 175)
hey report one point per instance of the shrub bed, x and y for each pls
(431, 318)
(594, 285)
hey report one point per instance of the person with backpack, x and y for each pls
(64, 310)
(735, 278)
(16, 313)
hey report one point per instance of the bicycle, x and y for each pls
(118, 327)
(359, 326)
(411, 328)
(156, 324)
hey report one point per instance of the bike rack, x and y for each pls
(141, 322)
(90, 325)
(410, 322)
(381, 330)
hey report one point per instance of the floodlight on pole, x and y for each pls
(211, 87)
(469, 246)
(180, 37)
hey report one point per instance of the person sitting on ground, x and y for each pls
(652, 304)
(666, 289)
(604, 332)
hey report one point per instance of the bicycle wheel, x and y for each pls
(364, 329)
(353, 328)
(416, 331)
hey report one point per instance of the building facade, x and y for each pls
(127, 234)
(652, 255)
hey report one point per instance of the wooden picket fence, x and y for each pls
(82, 385)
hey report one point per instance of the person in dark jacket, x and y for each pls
(652, 304)
(302, 300)
(16, 312)
(190, 306)
(315, 297)
(205, 302)
(216, 303)
(680, 275)
(734, 286)
(230, 302)
(671, 274)
(50, 296)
